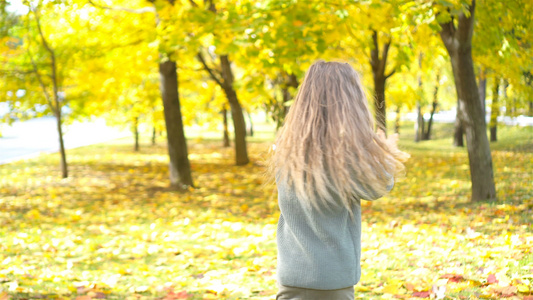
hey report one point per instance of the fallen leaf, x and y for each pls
(505, 291)
(492, 279)
(178, 295)
(453, 277)
(425, 294)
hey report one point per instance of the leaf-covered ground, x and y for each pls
(113, 230)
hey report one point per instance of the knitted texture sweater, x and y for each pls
(318, 249)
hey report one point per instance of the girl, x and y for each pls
(326, 159)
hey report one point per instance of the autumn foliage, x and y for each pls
(113, 230)
(126, 225)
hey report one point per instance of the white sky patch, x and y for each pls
(16, 6)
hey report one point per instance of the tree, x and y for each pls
(44, 66)
(375, 27)
(222, 74)
(284, 38)
(504, 50)
(456, 34)
(179, 165)
(180, 169)
(226, 80)
(429, 80)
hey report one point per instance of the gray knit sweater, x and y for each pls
(318, 249)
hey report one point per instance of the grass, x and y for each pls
(114, 230)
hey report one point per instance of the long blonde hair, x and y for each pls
(327, 147)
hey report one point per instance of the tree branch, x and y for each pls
(447, 34)
(147, 9)
(209, 70)
(374, 53)
(52, 65)
(355, 37)
(465, 28)
(15, 72)
(41, 82)
(212, 7)
(384, 55)
(193, 3)
(41, 34)
(391, 73)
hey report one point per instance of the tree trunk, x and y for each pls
(379, 64)
(397, 121)
(530, 108)
(290, 81)
(180, 169)
(458, 42)
(226, 142)
(458, 132)
(64, 166)
(287, 81)
(251, 132)
(419, 124)
(59, 121)
(427, 133)
(239, 125)
(135, 128)
(379, 103)
(505, 85)
(55, 104)
(483, 90)
(154, 133)
(494, 110)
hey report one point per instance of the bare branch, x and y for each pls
(52, 63)
(15, 72)
(147, 9)
(391, 73)
(212, 7)
(209, 70)
(36, 70)
(41, 34)
(41, 82)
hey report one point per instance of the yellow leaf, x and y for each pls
(392, 287)
(360, 288)
(522, 288)
(33, 214)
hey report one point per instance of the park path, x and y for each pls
(30, 138)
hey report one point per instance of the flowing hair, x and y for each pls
(327, 147)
